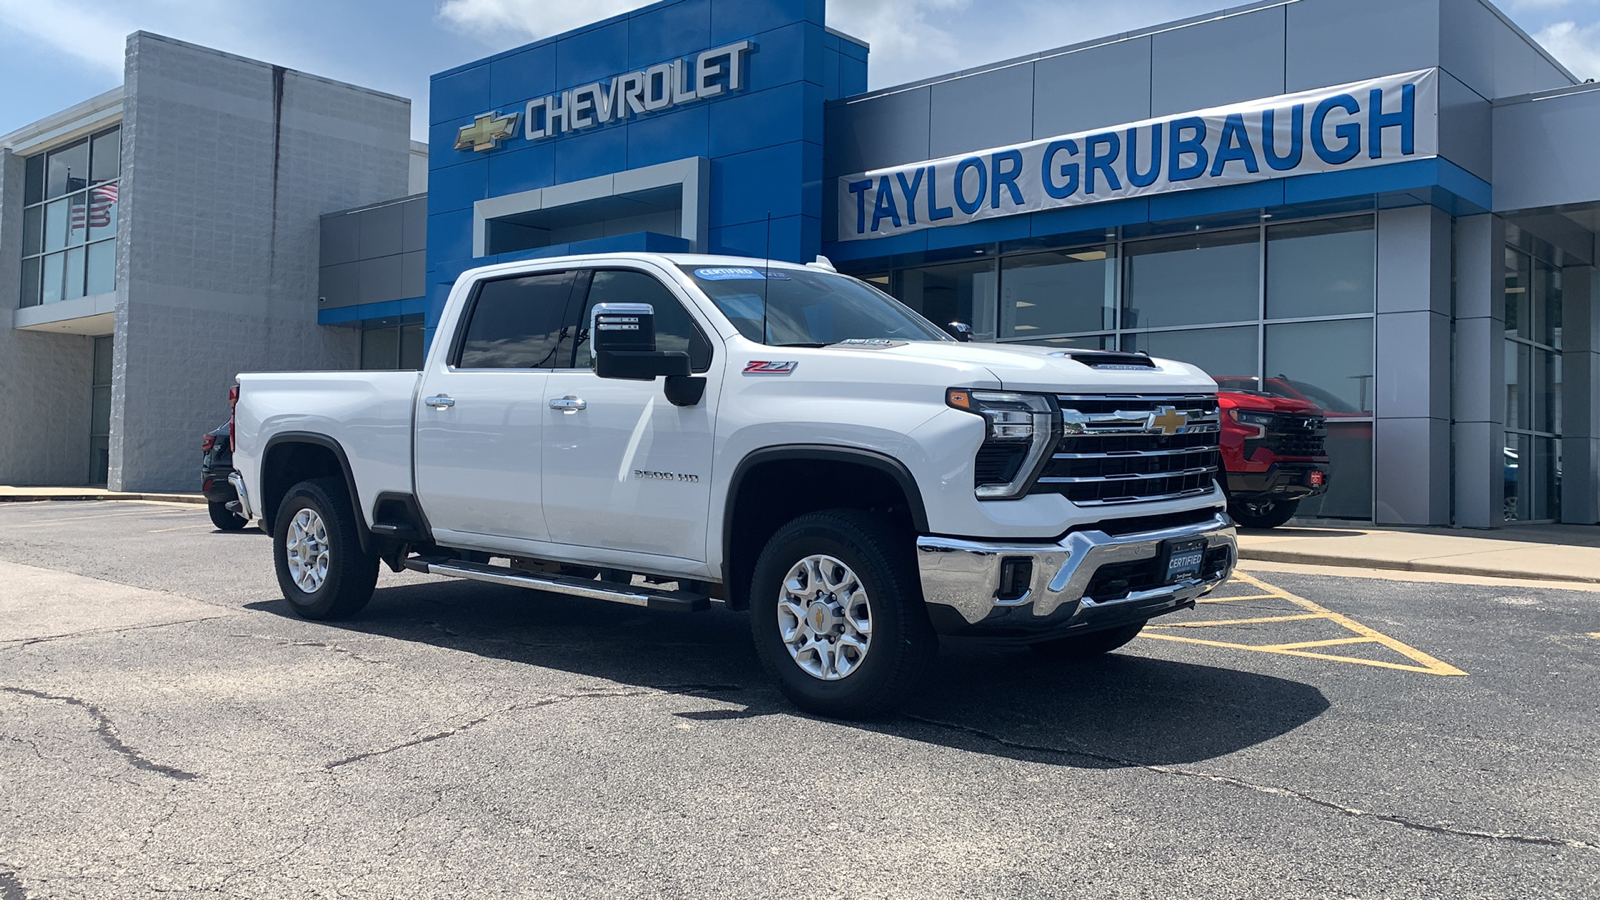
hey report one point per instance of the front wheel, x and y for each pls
(224, 518)
(837, 615)
(316, 551)
(1088, 646)
(1263, 513)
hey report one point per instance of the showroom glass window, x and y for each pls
(392, 343)
(1532, 460)
(1280, 306)
(69, 220)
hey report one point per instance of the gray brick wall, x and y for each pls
(44, 378)
(228, 165)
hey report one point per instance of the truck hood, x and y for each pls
(1053, 371)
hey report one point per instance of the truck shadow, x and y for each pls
(1126, 709)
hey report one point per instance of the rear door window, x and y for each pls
(516, 323)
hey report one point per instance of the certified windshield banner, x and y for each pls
(1353, 126)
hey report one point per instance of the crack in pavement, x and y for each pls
(107, 732)
(542, 702)
(1447, 830)
(335, 648)
(94, 632)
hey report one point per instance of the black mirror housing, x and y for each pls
(623, 337)
(961, 331)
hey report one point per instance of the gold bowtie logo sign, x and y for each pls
(486, 132)
(1168, 421)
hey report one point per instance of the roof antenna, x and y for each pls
(766, 274)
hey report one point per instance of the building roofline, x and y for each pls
(92, 113)
(246, 59)
(1174, 25)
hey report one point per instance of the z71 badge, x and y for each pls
(766, 367)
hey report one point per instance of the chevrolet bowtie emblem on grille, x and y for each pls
(486, 132)
(1168, 421)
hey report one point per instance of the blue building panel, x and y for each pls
(667, 31)
(791, 238)
(588, 154)
(767, 118)
(457, 187)
(659, 139)
(522, 170)
(783, 55)
(775, 181)
(592, 55)
(464, 93)
(519, 77)
(449, 237)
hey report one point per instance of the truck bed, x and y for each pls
(368, 413)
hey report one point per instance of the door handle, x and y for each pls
(439, 401)
(568, 404)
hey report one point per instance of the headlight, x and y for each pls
(1019, 432)
(1255, 423)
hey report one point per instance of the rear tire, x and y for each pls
(1265, 514)
(224, 518)
(1088, 646)
(837, 615)
(317, 554)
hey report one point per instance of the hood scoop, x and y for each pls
(1108, 359)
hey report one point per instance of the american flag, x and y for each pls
(96, 213)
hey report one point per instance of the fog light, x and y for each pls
(1016, 575)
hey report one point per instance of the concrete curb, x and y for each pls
(1318, 559)
(99, 495)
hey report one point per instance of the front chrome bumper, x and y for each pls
(964, 577)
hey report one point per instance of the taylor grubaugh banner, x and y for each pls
(1352, 126)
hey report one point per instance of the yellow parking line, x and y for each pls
(1231, 599)
(1428, 663)
(1240, 621)
(1306, 645)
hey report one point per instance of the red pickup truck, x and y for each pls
(1273, 449)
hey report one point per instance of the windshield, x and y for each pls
(802, 307)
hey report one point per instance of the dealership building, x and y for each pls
(1388, 208)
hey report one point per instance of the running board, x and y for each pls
(649, 598)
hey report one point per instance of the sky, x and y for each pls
(54, 53)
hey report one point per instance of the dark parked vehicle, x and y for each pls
(216, 464)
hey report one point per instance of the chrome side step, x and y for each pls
(649, 598)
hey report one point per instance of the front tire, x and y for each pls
(317, 554)
(1264, 514)
(1088, 646)
(837, 615)
(224, 518)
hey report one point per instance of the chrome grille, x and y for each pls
(1133, 448)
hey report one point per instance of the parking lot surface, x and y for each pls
(167, 727)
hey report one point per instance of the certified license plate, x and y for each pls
(1184, 558)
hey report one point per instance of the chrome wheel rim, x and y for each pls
(306, 547)
(824, 617)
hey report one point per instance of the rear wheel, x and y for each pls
(224, 518)
(316, 551)
(837, 615)
(1263, 513)
(1088, 646)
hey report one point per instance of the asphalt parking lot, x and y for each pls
(166, 727)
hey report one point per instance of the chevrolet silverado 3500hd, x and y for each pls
(779, 437)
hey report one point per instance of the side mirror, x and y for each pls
(623, 338)
(961, 331)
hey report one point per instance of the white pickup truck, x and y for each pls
(668, 430)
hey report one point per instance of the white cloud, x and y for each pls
(490, 20)
(1577, 46)
(90, 34)
(905, 44)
